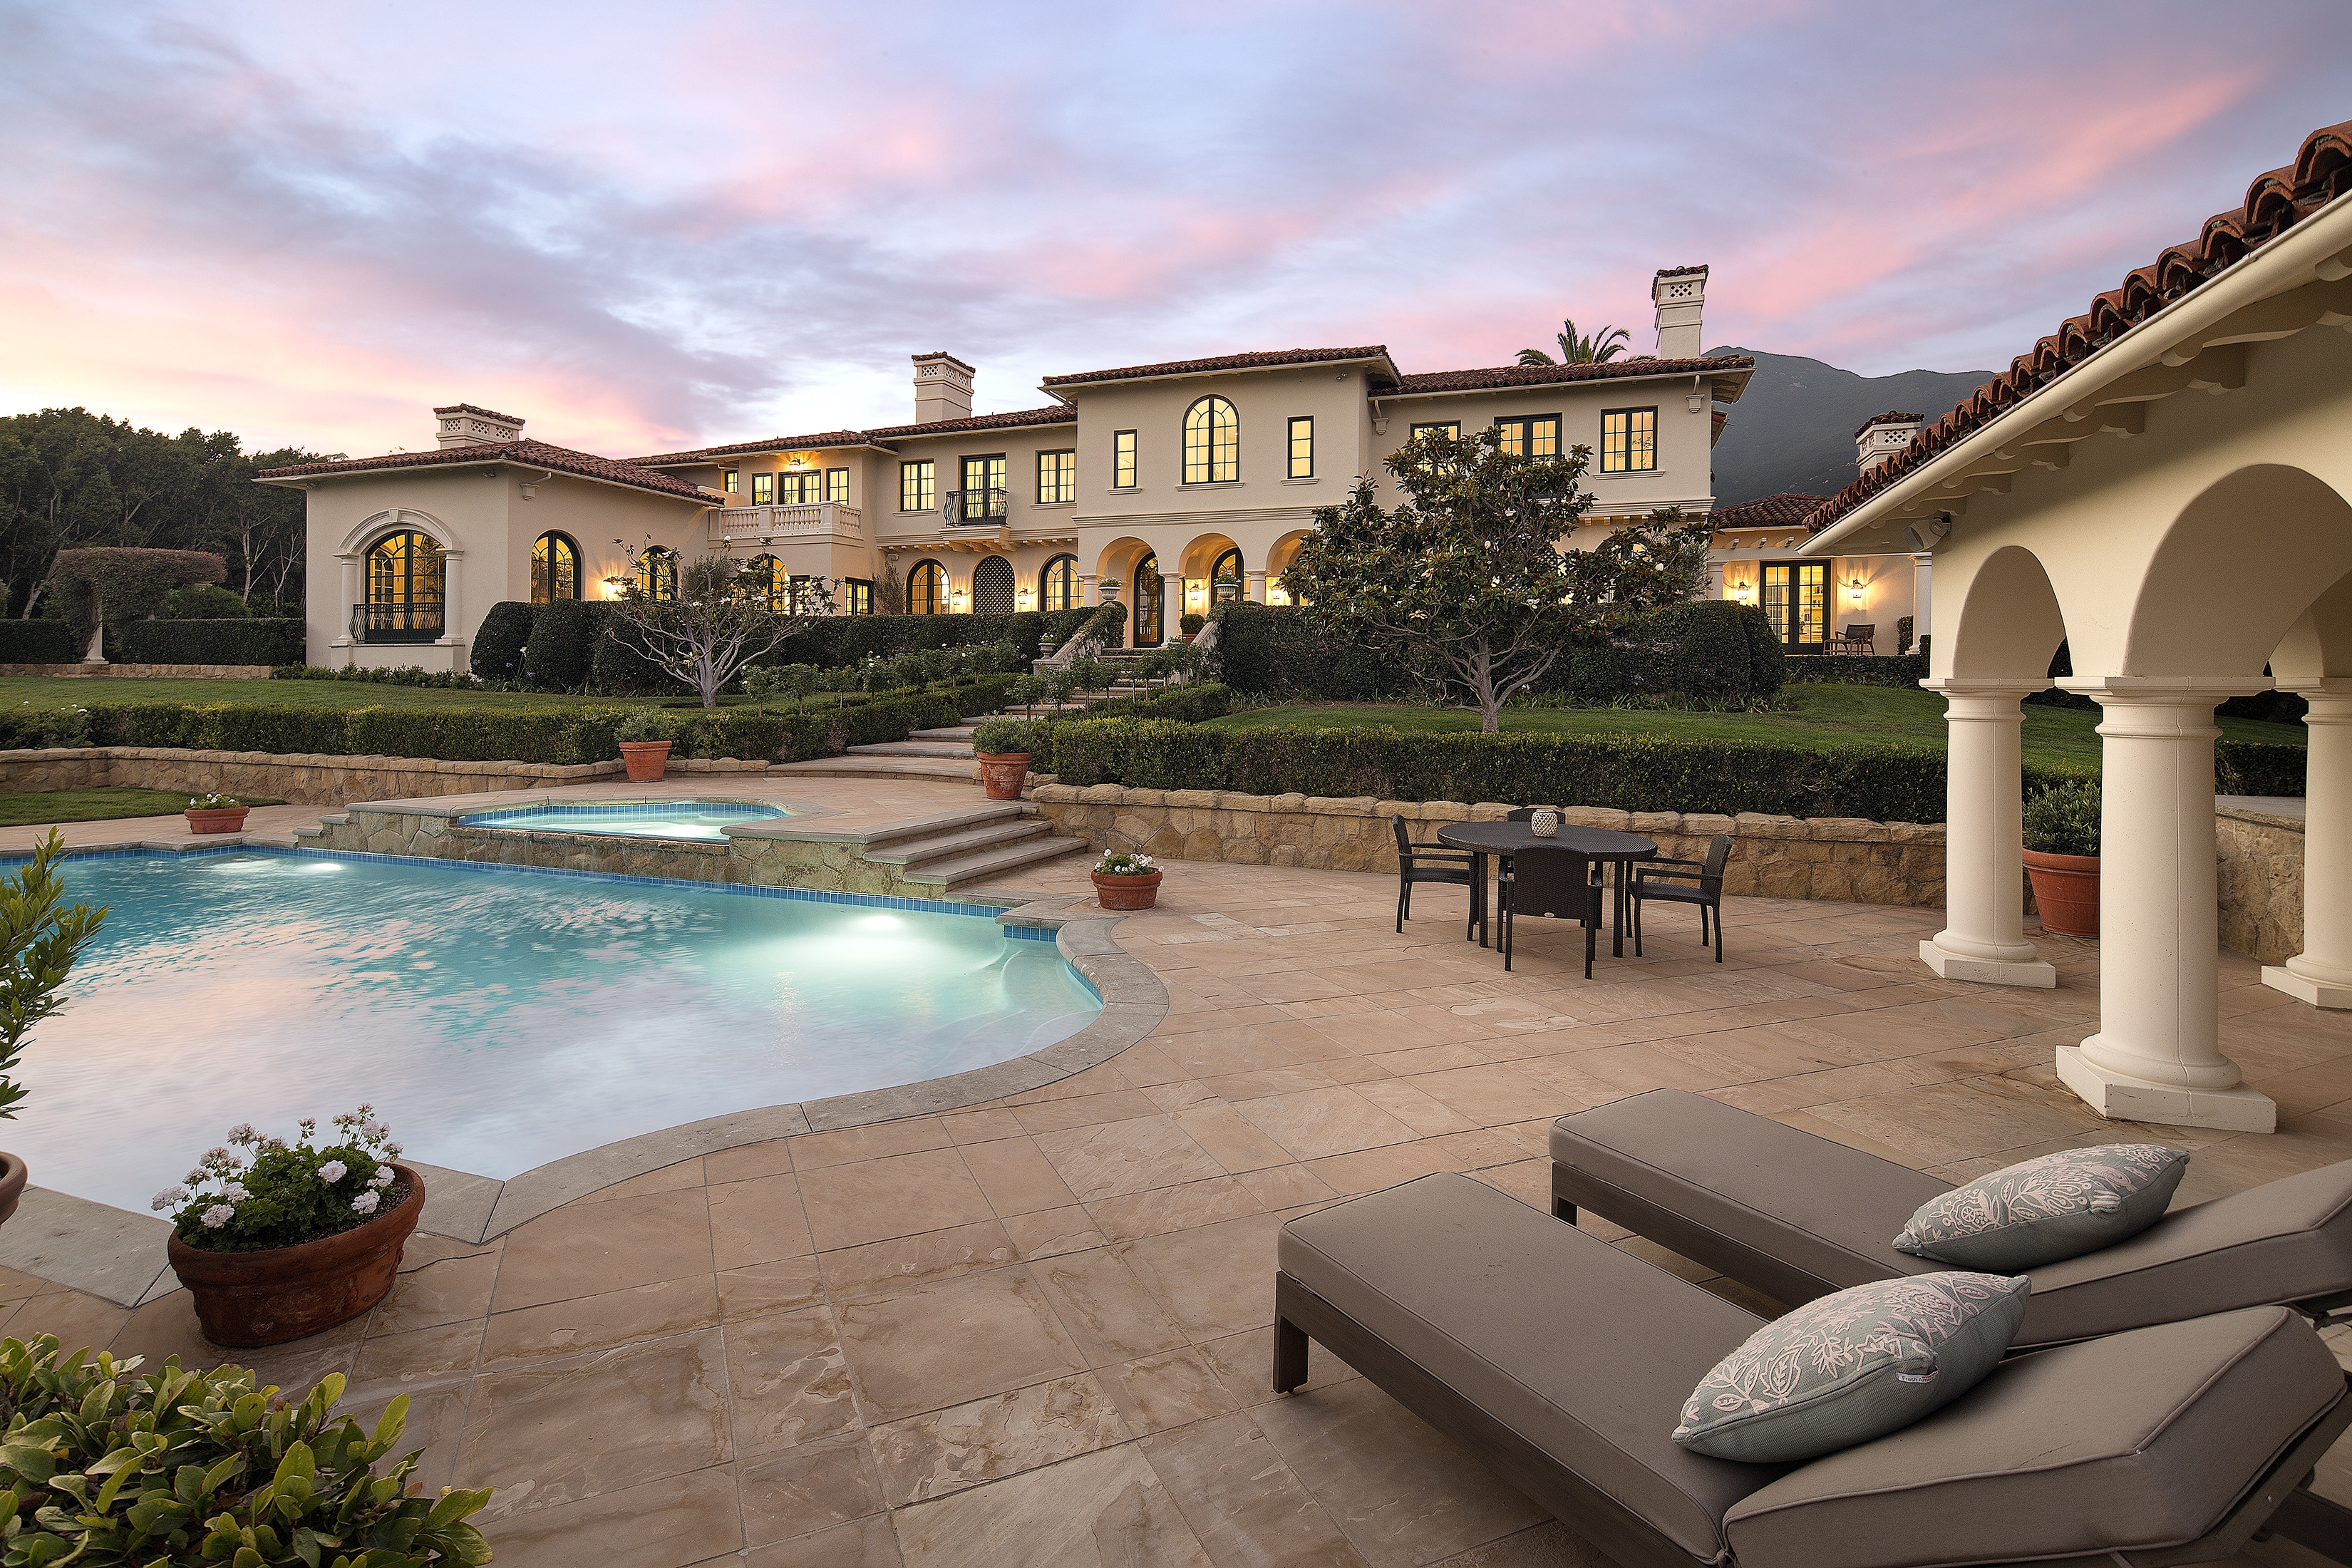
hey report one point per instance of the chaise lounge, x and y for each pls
(1561, 1361)
(1798, 1217)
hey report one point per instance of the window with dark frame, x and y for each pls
(918, 486)
(1225, 578)
(1449, 428)
(1059, 584)
(554, 568)
(727, 480)
(1212, 443)
(405, 578)
(657, 574)
(1122, 460)
(983, 488)
(1058, 477)
(1302, 446)
(1628, 440)
(763, 489)
(1531, 435)
(836, 485)
(856, 597)
(926, 589)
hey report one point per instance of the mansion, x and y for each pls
(1173, 487)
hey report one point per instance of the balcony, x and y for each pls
(769, 523)
(973, 509)
(415, 621)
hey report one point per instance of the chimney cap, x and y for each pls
(1681, 271)
(943, 355)
(514, 419)
(1889, 417)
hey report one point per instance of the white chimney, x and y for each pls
(1883, 437)
(1679, 294)
(463, 424)
(943, 388)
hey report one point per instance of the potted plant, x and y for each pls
(1190, 623)
(216, 813)
(646, 739)
(1004, 747)
(38, 944)
(2062, 857)
(1125, 881)
(278, 1241)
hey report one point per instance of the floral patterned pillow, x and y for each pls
(2060, 1205)
(1853, 1367)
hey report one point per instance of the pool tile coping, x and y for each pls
(119, 1255)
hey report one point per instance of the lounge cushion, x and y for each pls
(2043, 1210)
(1850, 1367)
(2134, 1442)
(1582, 1350)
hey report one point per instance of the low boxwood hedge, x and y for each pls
(271, 642)
(38, 642)
(1856, 670)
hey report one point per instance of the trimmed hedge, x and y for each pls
(1275, 649)
(38, 642)
(1857, 669)
(841, 640)
(2248, 767)
(560, 648)
(498, 640)
(271, 642)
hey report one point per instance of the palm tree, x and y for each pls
(1599, 349)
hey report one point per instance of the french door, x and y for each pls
(1797, 599)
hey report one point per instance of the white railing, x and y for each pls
(740, 522)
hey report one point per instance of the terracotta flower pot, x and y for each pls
(12, 1184)
(283, 1293)
(1000, 774)
(2066, 890)
(646, 760)
(1127, 893)
(216, 819)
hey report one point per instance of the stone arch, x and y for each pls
(2008, 622)
(2235, 571)
(2319, 644)
(1119, 557)
(398, 519)
(1202, 553)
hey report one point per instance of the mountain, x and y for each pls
(1793, 428)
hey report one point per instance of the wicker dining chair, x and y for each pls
(1559, 884)
(1698, 882)
(1429, 863)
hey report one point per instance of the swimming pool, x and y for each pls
(704, 820)
(498, 1018)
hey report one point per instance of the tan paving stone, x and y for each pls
(1131, 1156)
(534, 1335)
(758, 1220)
(948, 1450)
(955, 1341)
(897, 1195)
(583, 1249)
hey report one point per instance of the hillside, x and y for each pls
(1793, 428)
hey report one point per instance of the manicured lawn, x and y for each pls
(37, 807)
(1821, 715)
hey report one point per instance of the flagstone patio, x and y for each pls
(1037, 1331)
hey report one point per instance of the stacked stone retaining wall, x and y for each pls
(142, 671)
(2261, 873)
(304, 780)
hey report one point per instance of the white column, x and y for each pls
(1923, 582)
(2321, 974)
(1088, 592)
(1172, 608)
(1983, 938)
(2158, 1054)
(1254, 588)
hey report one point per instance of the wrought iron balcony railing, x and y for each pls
(967, 508)
(418, 620)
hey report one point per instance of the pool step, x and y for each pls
(992, 862)
(948, 847)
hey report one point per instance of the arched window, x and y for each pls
(765, 576)
(1060, 584)
(991, 586)
(554, 568)
(1212, 443)
(1225, 578)
(926, 589)
(405, 577)
(657, 572)
(1151, 628)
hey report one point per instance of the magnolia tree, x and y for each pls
(1473, 571)
(726, 615)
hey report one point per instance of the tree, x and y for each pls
(38, 944)
(726, 619)
(1599, 349)
(114, 587)
(1470, 572)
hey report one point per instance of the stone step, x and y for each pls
(912, 749)
(880, 768)
(915, 852)
(954, 732)
(992, 862)
(979, 815)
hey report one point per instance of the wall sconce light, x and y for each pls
(1854, 589)
(960, 599)
(1744, 593)
(796, 461)
(1275, 593)
(1027, 594)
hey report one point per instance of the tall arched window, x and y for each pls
(657, 572)
(554, 568)
(991, 586)
(405, 578)
(1059, 585)
(765, 576)
(1212, 443)
(1225, 578)
(926, 589)
(1150, 628)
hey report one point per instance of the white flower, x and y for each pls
(169, 1196)
(365, 1202)
(235, 1191)
(382, 1177)
(374, 1129)
(216, 1216)
(332, 1172)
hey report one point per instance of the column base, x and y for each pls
(2121, 1098)
(2317, 992)
(1988, 972)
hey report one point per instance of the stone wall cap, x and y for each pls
(1233, 800)
(1655, 821)
(1605, 817)
(1292, 800)
(1850, 829)
(1491, 811)
(1198, 798)
(1102, 794)
(1763, 824)
(1707, 822)
(1341, 805)
(1055, 794)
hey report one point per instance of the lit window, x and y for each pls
(1449, 428)
(763, 489)
(1061, 583)
(657, 574)
(1531, 436)
(918, 484)
(1122, 460)
(1212, 443)
(1058, 477)
(983, 488)
(554, 568)
(857, 597)
(1225, 578)
(927, 588)
(1628, 440)
(1302, 447)
(836, 485)
(727, 480)
(404, 576)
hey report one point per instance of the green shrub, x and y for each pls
(1191, 621)
(1275, 648)
(39, 943)
(500, 640)
(1857, 669)
(2249, 767)
(41, 728)
(401, 674)
(204, 602)
(248, 641)
(38, 642)
(1002, 737)
(2064, 819)
(181, 1468)
(618, 668)
(644, 724)
(1768, 656)
(560, 650)
(1903, 625)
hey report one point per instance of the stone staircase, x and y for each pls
(961, 847)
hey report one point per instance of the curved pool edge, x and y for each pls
(117, 1255)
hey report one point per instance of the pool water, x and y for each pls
(497, 1017)
(705, 819)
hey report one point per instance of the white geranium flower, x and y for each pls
(332, 1172)
(169, 1196)
(235, 1191)
(382, 1177)
(365, 1202)
(374, 1129)
(216, 1216)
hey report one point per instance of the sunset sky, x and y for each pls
(648, 227)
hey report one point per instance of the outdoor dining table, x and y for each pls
(1503, 839)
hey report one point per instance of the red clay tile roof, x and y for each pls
(1264, 358)
(1551, 374)
(1890, 418)
(1681, 271)
(1766, 511)
(531, 454)
(485, 412)
(781, 444)
(1052, 414)
(2275, 201)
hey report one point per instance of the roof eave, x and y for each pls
(1739, 376)
(307, 482)
(1070, 387)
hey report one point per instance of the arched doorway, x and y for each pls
(926, 589)
(1059, 584)
(1150, 610)
(1225, 578)
(991, 586)
(554, 568)
(405, 578)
